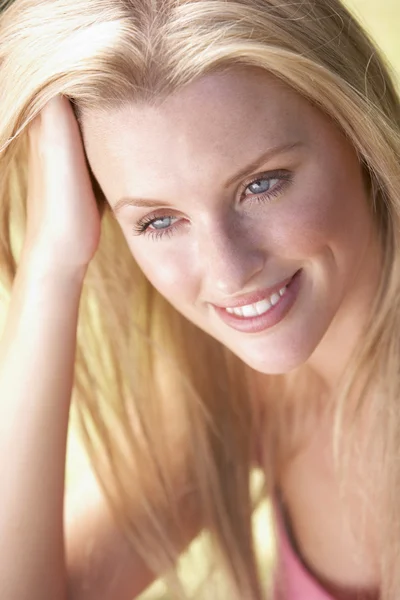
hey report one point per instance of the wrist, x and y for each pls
(42, 266)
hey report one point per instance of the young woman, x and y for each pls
(200, 220)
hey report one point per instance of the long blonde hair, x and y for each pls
(138, 360)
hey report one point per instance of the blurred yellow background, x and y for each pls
(382, 19)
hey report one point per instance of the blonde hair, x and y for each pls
(138, 359)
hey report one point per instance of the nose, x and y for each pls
(229, 260)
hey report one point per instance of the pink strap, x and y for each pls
(294, 582)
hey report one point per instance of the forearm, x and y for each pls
(37, 353)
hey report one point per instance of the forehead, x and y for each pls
(215, 122)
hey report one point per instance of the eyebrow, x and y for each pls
(253, 166)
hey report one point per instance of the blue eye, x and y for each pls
(161, 220)
(159, 226)
(261, 188)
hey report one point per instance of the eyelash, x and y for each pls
(285, 177)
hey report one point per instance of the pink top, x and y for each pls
(294, 580)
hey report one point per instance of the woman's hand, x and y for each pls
(63, 221)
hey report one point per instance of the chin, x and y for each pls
(277, 359)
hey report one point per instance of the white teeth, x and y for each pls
(259, 308)
(250, 310)
(263, 306)
(275, 299)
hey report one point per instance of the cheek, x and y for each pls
(330, 215)
(168, 270)
(305, 226)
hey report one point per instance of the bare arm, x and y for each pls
(37, 353)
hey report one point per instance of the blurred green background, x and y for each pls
(382, 19)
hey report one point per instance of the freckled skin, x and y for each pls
(225, 244)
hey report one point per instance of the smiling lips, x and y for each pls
(270, 295)
(262, 310)
(258, 308)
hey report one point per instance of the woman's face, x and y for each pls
(209, 229)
